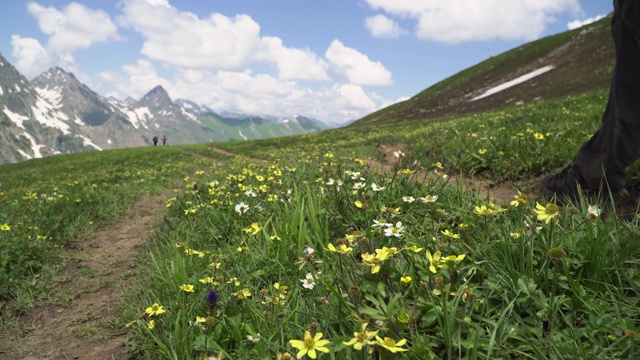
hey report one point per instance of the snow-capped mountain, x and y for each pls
(55, 114)
(30, 125)
(93, 117)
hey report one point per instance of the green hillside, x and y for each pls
(583, 61)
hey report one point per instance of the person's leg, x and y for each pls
(616, 145)
(602, 161)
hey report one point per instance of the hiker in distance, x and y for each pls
(155, 141)
(601, 163)
(164, 140)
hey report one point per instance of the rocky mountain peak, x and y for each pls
(156, 99)
(188, 105)
(10, 79)
(54, 77)
(16, 92)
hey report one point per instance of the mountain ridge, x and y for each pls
(55, 114)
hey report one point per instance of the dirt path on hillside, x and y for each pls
(79, 328)
(500, 193)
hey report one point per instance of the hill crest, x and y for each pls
(578, 61)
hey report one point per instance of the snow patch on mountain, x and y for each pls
(87, 142)
(138, 116)
(24, 154)
(189, 115)
(15, 118)
(53, 96)
(47, 116)
(514, 82)
(34, 146)
(143, 113)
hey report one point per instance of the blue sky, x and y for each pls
(333, 60)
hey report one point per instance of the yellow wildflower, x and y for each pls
(154, 309)
(361, 338)
(341, 249)
(450, 234)
(309, 345)
(434, 261)
(483, 210)
(390, 344)
(186, 288)
(547, 212)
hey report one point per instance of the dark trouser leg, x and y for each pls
(616, 145)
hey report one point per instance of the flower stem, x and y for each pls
(281, 331)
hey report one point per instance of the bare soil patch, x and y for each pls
(500, 193)
(222, 151)
(81, 328)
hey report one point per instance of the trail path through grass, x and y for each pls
(76, 323)
(500, 193)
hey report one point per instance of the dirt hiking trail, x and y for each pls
(500, 193)
(97, 277)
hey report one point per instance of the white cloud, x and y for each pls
(264, 94)
(458, 21)
(355, 96)
(183, 39)
(109, 76)
(74, 27)
(293, 64)
(381, 26)
(580, 23)
(141, 78)
(32, 56)
(355, 67)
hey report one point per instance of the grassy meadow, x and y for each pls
(297, 248)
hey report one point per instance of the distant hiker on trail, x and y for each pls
(164, 140)
(155, 141)
(601, 163)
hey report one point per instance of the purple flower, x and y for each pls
(212, 298)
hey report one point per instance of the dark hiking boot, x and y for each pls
(568, 183)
